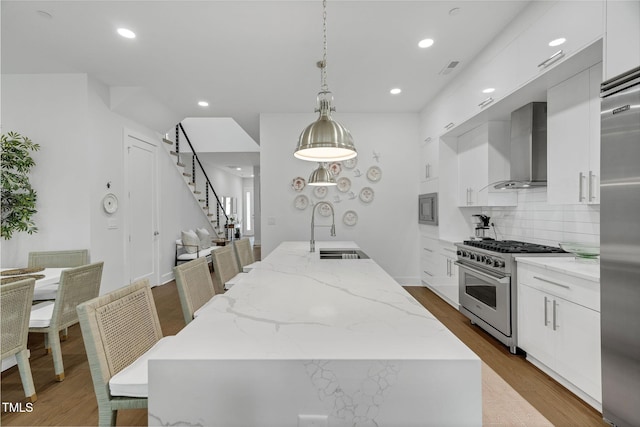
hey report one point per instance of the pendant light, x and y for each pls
(321, 176)
(325, 140)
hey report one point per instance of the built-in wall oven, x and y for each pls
(487, 283)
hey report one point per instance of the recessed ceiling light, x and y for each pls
(126, 33)
(203, 103)
(425, 43)
(557, 42)
(238, 169)
(488, 90)
(395, 91)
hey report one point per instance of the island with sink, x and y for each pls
(323, 338)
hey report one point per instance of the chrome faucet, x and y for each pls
(312, 243)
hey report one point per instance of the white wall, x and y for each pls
(82, 150)
(387, 228)
(52, 111)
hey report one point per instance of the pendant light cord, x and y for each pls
(323, 73)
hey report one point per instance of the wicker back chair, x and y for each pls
(195, 286)
(77, 285)
(117, 329)
(225, 265)
(244, 254)
(15, 306)
(61, 259)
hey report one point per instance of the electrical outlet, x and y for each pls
(313, 420)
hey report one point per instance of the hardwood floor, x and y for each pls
(72, 402)
(558, 405)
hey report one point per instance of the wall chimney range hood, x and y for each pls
(528, 148)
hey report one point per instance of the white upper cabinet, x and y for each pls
(622, 38)
(483, 159)
(580, 23)
(429, 159)
(573, 139)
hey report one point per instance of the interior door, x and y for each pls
(142, 212)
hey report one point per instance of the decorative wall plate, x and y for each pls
(374, 173)
(301, 202)
(298, 183)
(350, 163)
(350, 218)
(324, 209)
(110, 203)
(366, 194)
(335, 168)
(320, 191)
(343, 184)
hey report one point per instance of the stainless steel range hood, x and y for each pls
(528, 148)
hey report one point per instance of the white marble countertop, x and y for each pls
(588, 269)
(297, 306)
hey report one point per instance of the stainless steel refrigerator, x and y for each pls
(620, 249)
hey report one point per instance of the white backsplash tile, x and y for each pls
(534, 220)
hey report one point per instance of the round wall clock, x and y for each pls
(110, 203)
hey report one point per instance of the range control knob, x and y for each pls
(488, 261)
(459, 252)
(472, 256)
(498, 263)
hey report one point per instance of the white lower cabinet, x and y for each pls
(438, 270)
(560, 336)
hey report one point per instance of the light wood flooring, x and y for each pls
(72, 402)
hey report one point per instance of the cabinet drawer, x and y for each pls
(571, 288)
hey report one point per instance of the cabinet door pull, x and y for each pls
(546, 315)
(427, 139)
(448, 267)
(553, 58)
(486, 102)
(427, 249)
(591, 176)
(552, 282)
(426, 272)
(428, 170)
(580, 187)
(449, 126)
(555, 315)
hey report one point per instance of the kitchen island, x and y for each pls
(303, 341)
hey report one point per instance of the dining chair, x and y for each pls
(225, 266)
(15, 306)
(195, 287)
(244, 255)
(69, 258)
(119, 330)
(77, 285)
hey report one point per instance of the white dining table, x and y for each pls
(45, 288)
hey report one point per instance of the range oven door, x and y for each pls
(486, 295)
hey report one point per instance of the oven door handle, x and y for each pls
(503, 280)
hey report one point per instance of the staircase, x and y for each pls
(187, 163)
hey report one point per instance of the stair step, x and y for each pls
(191, 183)
(188, 175)
(166, 141)
(173, 153)
(210, 214)
(180, 164)
(195, 192)
(201, 200)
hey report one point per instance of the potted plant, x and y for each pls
(18, 197)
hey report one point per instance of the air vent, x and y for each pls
(449, 67)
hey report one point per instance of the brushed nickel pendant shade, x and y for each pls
(325, 140)
(321, 176)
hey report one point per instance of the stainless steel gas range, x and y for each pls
(487, 283)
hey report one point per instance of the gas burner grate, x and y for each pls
(512, 246)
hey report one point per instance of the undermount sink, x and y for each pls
(342, 254)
